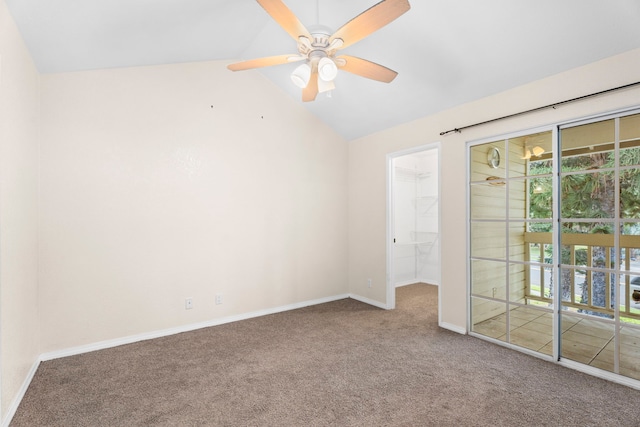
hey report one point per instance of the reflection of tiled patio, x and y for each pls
(583, 340)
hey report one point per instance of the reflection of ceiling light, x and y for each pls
(538, 189)
(537, 151)
(301, 75)
(327, 69)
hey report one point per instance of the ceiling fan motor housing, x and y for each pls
(319, 48)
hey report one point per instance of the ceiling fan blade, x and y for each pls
(283, 16)
(310, 92)
(264, 62)
(367, 69)
(370, 20)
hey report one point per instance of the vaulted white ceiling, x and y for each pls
(447, 52)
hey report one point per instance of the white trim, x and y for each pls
(390, 285)
(453, 328)
(101, 345)
(369, 301)
(407, 283)
(23, 390)
(166, 332)
(605, 375)
(467, 223)
(570, 364)
(439, 281)
(513, 347)
(427, 281)
(556, 254)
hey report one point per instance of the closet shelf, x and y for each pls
(413, 172)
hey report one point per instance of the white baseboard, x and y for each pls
(101, 345)
(606, 375)
(368, 301)
(23, 390)
(406, 283)
(414, 281)
(453, 328)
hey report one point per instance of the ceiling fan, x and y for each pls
(318, 47)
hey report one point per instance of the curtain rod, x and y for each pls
(459, 130)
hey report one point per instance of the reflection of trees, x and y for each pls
(591, 195)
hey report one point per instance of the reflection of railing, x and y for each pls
(596, 247)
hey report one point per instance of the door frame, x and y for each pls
(390, 287)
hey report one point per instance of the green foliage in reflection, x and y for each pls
(587, 190)
(587, 194)
(540, 196)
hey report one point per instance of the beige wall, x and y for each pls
(18, 212)
(367, 168)
(167, 182)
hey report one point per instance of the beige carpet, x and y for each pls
(338, 364)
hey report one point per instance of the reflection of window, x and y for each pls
(502, 273)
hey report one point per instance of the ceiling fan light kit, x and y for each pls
(327, 69)
(318, 47)
(300, 76)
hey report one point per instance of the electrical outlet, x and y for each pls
(218, 299)
(188, 303)
(369, 282)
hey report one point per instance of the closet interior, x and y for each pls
(416, 230)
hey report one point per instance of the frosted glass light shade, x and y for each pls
(300, 76)
(327, 69)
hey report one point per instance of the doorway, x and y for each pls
(413, 218)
